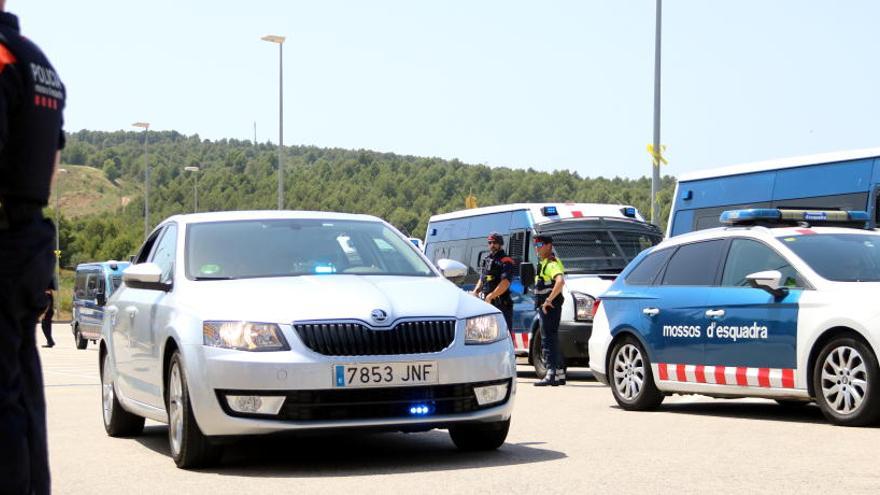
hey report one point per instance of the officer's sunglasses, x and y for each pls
(539, 244)
(493, 242)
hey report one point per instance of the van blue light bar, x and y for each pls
(783, 216)
(549, 211)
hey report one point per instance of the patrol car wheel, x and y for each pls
(190, 448)
(632, 382)
(81, 343)
(477, 437)
(845, 383)
(117, 421)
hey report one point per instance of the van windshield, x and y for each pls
(601, 251)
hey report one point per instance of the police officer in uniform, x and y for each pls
(496, 273)
(31, 100)
(549, 281)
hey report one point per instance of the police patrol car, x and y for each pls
(779, 304)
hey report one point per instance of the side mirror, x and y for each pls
(526, 275)
(769, 281)
(452, 269)
(144, 276)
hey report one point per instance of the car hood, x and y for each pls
(591, 285)
(330, 297)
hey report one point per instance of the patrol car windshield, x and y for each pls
(600, 251)
(292, 247)
(839, 257)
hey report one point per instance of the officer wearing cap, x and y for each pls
(31, 100)
(549, 281)
(496, 273)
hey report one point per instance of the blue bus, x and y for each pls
(844, 181)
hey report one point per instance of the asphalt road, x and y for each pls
(571, 439)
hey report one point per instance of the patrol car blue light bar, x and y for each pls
(772, 215)
(420, 410)
(549, 211)
(629, 211)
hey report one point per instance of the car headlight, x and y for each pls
(583, 306)
(484, 329)
(244, 336)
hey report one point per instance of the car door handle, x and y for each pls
(651, 311)
(715, 313)
(131, 312)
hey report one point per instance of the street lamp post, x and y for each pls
(145, 126)
(280, 40)
(58, 232)
(195, 171)
(655, 177)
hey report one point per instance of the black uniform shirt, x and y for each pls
(494, 269)
(31, 100)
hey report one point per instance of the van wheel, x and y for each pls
(845, 382)
(630, 376)
(81, 343)
(190, 448)
(481, 436)
(117, 421)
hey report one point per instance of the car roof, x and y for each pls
(757, 231)
(225, 216)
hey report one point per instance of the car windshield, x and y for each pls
(292, 247)
(839, 257)
(600, 251)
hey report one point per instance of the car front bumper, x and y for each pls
(212, 373)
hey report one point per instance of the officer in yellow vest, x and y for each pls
(548, 301)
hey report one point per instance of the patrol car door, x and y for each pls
(753, 333)
(151, 313)
(677, 315)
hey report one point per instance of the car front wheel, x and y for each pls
(480, 436)
(845, 381)
(190, 448)
(632, 382)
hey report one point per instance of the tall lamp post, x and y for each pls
(195, 171)
(145, 126)
(280, 40)
(655, 177)
(58, 231)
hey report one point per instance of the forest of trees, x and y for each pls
(236, 175)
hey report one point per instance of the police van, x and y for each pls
(594, 241)
(847, 180)
(93, 284)
(779, 304)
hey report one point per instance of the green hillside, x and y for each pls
(103, 218)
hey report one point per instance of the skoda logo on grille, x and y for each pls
(379, 315)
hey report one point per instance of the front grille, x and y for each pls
(356, 339)
(371, 403)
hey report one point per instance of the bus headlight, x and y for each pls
(583, 306)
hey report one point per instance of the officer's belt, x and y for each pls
(543, 291)
(17, 214)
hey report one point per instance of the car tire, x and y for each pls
(190, 448)
(630, 377)
(845, 382)
(480, 436)
(81, 343)
(536, 353)
(117, 421)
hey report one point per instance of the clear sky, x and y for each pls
(542, 84)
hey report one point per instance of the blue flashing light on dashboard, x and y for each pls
(549, 211)
(324, 269)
